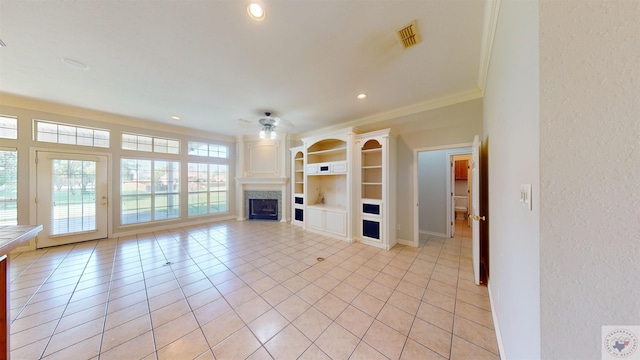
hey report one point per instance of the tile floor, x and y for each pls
(249, 290)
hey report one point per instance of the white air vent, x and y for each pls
(409, 35)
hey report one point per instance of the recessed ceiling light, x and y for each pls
(75, 64)
(174, 117)
(362, 96)
(256, 12)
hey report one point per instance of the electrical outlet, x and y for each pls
(398, 227)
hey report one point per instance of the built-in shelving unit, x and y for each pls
(297, 186)
(371, 180)
(376, 215)
(342, 184)
(328, 185)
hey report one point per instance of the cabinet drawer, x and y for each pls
(312, 168)
(339, 167)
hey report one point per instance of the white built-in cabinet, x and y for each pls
(376, 179)
(341, 186)
(328, 184)
(297, 186)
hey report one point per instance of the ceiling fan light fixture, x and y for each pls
(256, 12)
(268, 129)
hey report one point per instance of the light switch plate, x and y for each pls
(525, 196)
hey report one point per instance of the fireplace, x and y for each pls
(263, 209)
(271, 210)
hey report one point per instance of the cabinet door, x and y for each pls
(336, 222)
(315, 218)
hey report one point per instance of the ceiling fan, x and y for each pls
(269, 125)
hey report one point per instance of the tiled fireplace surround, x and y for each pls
(262, 194)
(262, 188)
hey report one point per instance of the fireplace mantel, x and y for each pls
(280, 180)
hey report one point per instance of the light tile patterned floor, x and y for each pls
(254, 290)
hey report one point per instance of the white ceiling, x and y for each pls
(209, 63)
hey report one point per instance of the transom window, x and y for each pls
(8, 127)
(150, 144)
(150, 190)
(8, 187)
(209, 150)
(53, 132)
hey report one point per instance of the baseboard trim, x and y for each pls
(432, 233)
(496, 325)
(405, 242)
(171, 226)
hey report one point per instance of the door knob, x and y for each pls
(476, 217)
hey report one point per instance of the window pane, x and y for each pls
(150, 190)
(207, 188)
(160, 145)
(66, 134)
(145, 143)
(129, 142)
(173, 147)
(85, 137)
(8, 127)
(70, 134)
(8, 187)
(46, 132)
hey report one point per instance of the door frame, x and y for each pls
(33, 191)
(416, 189)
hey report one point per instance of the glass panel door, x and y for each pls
(72, 197)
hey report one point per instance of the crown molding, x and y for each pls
(431, 104)
(491, 12)
(23, 102)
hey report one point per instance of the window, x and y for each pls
(150, 144)
(8, 127)
(150, 190)
(47, 131)
(209, 150)
(208, 189)
(8, 187)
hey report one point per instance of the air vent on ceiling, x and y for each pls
(409, 35)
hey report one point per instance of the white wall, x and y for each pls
(511, 128)
(590, 166)
(455, 124)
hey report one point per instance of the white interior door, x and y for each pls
(71, 193)
(452, 200)
(475, 207)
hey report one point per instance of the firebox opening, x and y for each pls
(263, 209)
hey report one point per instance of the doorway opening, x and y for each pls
(436, 190)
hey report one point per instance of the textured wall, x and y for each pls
(511, 123)
(590, 171)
